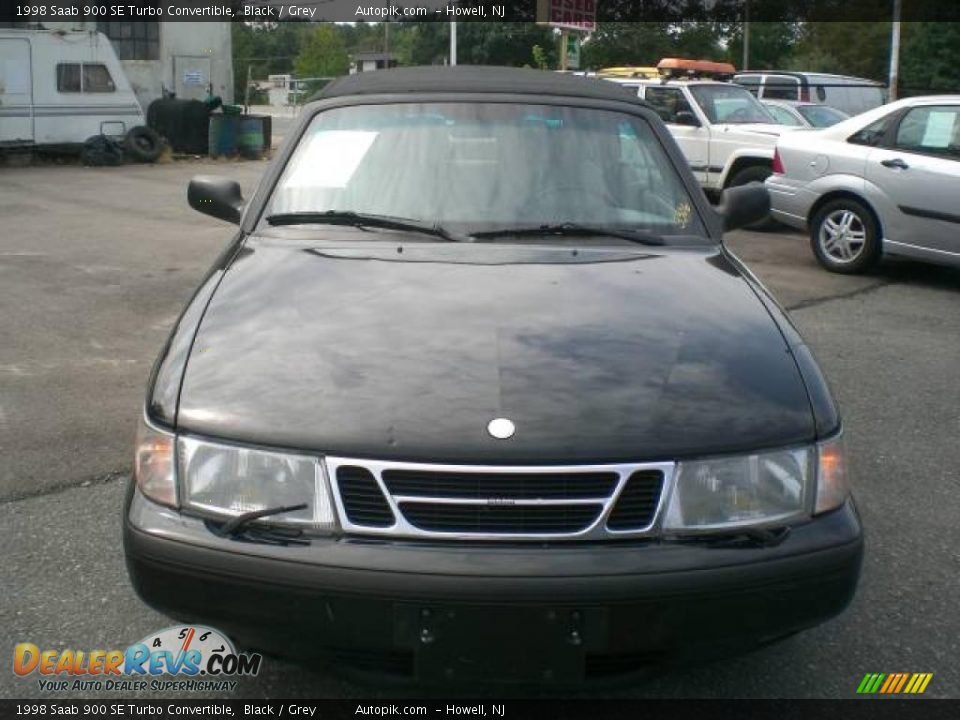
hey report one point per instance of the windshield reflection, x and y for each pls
(475, 167)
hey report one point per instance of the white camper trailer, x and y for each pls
(59, 88)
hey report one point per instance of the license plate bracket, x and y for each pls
(496, 643)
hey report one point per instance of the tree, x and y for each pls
(267, 48)
(627, 43)
(323, 54)
(422, 43)
(771, 44)
(503, 43)
(646, 43)
(928, 63)
(478, 43)
(540, 58)
(861, 49)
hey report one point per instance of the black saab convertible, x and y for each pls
(477, 392)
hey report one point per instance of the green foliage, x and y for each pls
(812, 58)
(646, 43)
(929, 58)
(268, 48)
(487, 43)
(478, 43)
(323, 54)
(861, 49)
(771, 43)
(626, 43)
(539, 58)
(422, 43)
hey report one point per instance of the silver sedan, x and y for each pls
(886, 182)
(803, 114)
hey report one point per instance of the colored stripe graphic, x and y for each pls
(894, 683)
(891, 680)
(899, 687)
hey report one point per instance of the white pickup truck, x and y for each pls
(727, 136)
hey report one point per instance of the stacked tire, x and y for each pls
(143, 144)
(140, 143)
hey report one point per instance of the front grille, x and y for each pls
(419, 500)
(487, 519)
(363, 502)
(500, 485)
(638, 501)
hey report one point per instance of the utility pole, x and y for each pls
(386, 34)
(746, 35)
(894, 79)
(563, 49)
(453, 42)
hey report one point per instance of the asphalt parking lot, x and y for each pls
(95, 265)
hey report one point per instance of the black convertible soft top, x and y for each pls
(475, 79)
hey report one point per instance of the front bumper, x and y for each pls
(529, 612)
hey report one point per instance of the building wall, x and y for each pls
(187, 41)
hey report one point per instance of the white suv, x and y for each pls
(727, 136)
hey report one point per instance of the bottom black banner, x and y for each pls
(552, 709)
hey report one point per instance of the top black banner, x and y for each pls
(572, 13)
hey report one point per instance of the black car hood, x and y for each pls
(408, 352)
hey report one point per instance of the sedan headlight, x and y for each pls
(764, 488)
(730, 492)
(230, 480)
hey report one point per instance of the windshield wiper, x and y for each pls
(360, 220)
(570, 229)
(239, 527)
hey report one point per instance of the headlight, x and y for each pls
(232, 480)
(730, 492)
(153, 464)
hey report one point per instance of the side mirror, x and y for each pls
(216, 196)
(744, 205)
(685, 117)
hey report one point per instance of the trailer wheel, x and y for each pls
(143, 144)
(100, 151)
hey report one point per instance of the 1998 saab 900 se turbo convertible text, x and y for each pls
(477, 392)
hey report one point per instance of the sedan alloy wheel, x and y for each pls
(842, 235)
(845, 237)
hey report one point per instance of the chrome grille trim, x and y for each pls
(597, 530)
(497, 501)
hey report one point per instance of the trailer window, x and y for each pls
(84, 77)
(96, 79)
(139, 40)
(68, 77)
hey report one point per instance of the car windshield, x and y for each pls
(821, 116)
(730, 104)
(475, 168)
